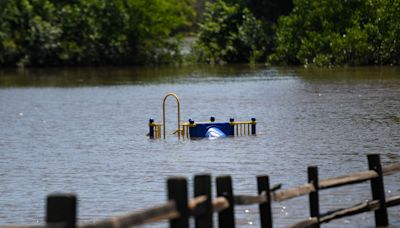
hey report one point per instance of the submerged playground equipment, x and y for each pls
(192, 129)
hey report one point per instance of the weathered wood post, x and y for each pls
(378, 190)
(314, 196)
(177, 191)
(265, 208)
(226, 218)
(202, 187)
(61, 210)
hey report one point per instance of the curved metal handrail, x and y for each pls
(179, 113)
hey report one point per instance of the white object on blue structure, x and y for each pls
(214, 132)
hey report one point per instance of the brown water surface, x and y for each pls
(84, 131)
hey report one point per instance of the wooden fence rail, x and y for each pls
(62, 208)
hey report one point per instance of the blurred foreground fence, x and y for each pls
(62, 208)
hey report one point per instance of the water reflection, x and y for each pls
(104, 76)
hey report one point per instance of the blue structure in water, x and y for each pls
(192, 129)
(211, 129)
(221, 129)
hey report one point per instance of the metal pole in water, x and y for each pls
(179, 113)
(151, 128)
(253, 126)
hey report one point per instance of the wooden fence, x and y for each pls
(62, 208)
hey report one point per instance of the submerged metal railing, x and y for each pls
(244, 127)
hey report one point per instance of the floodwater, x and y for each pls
(84, 131)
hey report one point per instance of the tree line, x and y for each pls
(131, 32)
(91, 32)
(301, 32)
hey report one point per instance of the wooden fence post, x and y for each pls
(265, 208)
(177, 191)
(202, 186)
(61, 210)
(378, 190)
(313, 196)
(226, 218)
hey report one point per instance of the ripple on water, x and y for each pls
(91, 139)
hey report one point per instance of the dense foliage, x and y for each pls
(229, 33)
(74, 32)
(91, 32)
(318, 32)
(331, 32)
(238, 31)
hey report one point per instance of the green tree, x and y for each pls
(48, 32)
(27, 32)
(329, 32)
(231, 33)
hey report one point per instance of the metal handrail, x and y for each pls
(179, 113)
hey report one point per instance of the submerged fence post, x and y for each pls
(202, 187)
(151, 128)
(61, 210)
(313, 196)
(265, 208)
(232, 126)
(253, 126)
(378, 190)
(226, 218)
(177, 191)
